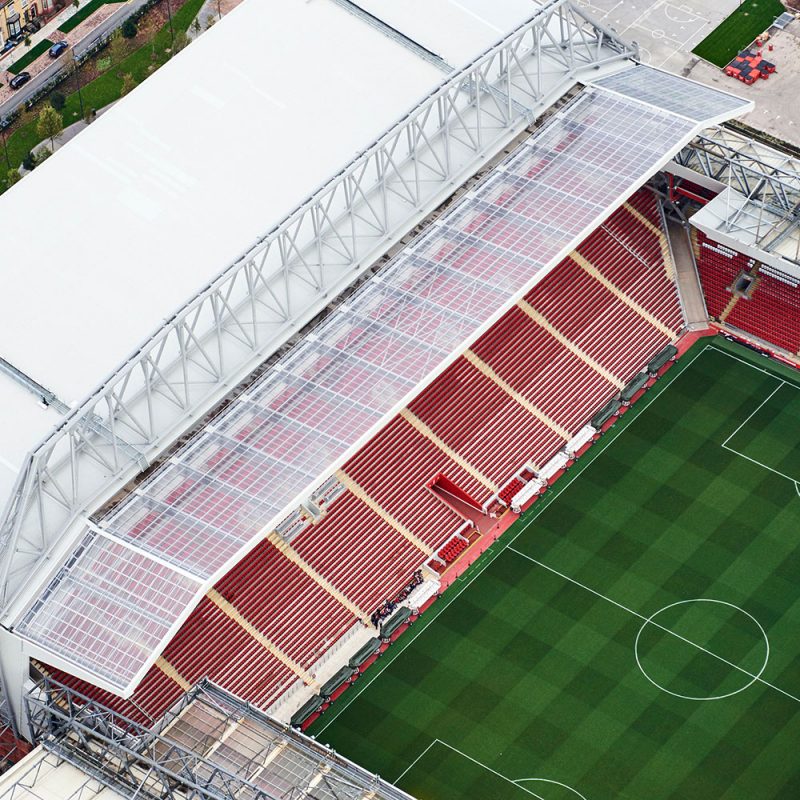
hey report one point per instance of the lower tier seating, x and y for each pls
(526, 386)
(770, 306)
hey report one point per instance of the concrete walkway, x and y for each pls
(688, 282)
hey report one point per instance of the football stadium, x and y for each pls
(408, 407)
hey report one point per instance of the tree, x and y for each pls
(117, 48)
(49, 124)
(196, 26)
(128, 84)
(43, 155)
(179, 42)
(210, 21)
(58, 101)
(12, 176)
(129, 29)
(27, 41)
(76, 3)
(29, 162)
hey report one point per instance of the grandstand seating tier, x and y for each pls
(469, 426)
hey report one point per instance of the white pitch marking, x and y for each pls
(763, 466)
(648, 619)
(760, 406)
(547, 780)
(489, 769)
(352, 695)
(710, 697)
(414, 762)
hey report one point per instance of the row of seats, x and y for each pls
(466, 426)
(482, 423)
(718, 267)
(770, 309)
(508, 491)
(453, 549)
(772, 312)
(630, 254)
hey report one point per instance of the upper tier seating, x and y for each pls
(772, 311)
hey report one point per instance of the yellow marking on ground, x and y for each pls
(642, 218)
(359, 492)
(662, 240)
(525, 306)
(728, 308)
(289, 552)
(173, 673)
(629, 301)
(480, 364)
(231, 611)
(417, 423)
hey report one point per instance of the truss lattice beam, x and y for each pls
(285, 279)
(767, 178)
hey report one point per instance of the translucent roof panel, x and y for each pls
(673, 93)
(249, 467)
(110, 606)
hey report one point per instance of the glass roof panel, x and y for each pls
(673, 93)
(108, 606)
(262, 452)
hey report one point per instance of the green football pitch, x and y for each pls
(636, 634)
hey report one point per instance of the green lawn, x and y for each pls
(30, 56)
(771, 436)
(581, 657)
(84, 11)
(738, 30)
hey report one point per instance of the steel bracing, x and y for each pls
(212, 746)
(287, 278)
(768, 180)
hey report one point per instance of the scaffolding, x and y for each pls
(210, 746)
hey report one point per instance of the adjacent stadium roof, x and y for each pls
(757, 209)
(139, 570)
(43, 775)
(211, 746)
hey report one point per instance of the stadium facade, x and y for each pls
(263, 457)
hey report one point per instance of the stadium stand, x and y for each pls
(771, 310)
(523, 389)
(755, 298)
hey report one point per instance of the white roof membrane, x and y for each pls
(239, 475)
(455, 30)
(183, 174)
(24, 421)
